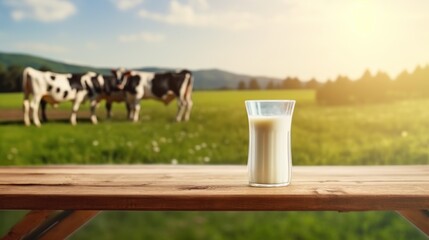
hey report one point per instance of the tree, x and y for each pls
(254, 85)
(401, 81)
(324, 94)
(3, 83)
(338, 92)
(271, 85)
(291, 83)
(344, 87)
(418, 83)
(241, 85)
(312, 84)
(14, 78)
(44, 68)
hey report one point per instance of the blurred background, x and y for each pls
(358, 69)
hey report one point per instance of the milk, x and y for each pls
(270, 159)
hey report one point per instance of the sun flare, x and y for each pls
(362, 20)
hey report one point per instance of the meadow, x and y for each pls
(390, 133)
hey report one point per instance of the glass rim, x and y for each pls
(280, 101)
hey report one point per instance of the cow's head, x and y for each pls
(118, 73)
(121, 76)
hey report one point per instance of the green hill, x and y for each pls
(8, 59)
(204, 79)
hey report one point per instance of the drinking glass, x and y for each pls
(270, 158)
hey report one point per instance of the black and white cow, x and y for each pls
(164, 87)
(111, 93)
(54, 88)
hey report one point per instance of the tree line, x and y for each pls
(288, 83)
(369, 88)
(11, 77)
(375, 88)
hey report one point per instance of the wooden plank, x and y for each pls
(154, 168)
(420, 218)
(183, 187)
(30, 221)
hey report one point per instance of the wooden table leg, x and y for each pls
(49, 225)
(30, 221)
(69, 224)
(420, 218)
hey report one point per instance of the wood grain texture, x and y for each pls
(215, 187)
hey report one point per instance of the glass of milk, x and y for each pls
(270, 158)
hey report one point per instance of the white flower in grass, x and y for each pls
(156, 149)
(145, 117)
(95, 143)
(154, 143)
(14, 150)
(197, 147)
(206, 159)
(163, 140)
(174, 161)
(203, 145)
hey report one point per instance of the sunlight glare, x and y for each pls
(362, 19)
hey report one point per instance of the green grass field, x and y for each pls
(394, 133)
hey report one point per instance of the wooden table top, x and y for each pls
(214, 187)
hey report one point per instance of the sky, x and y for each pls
(305, 38)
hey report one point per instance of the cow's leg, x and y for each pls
(26, 107)
(131, 112)
(76, 104)
(109, 109)
(181, 107)
(188, 109)
(73, 116)
(136, 110)
(35, 102)
(26, 87)
(188, 100)
(184, 99)
(134, 102)
(127, 105)
(94, 104)
(43, 104)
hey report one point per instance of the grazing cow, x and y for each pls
(111, 93)
(164, 87)
(54, 88)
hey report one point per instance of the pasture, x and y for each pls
(393, 133)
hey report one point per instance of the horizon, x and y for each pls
(303, 39)
(372, 73)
